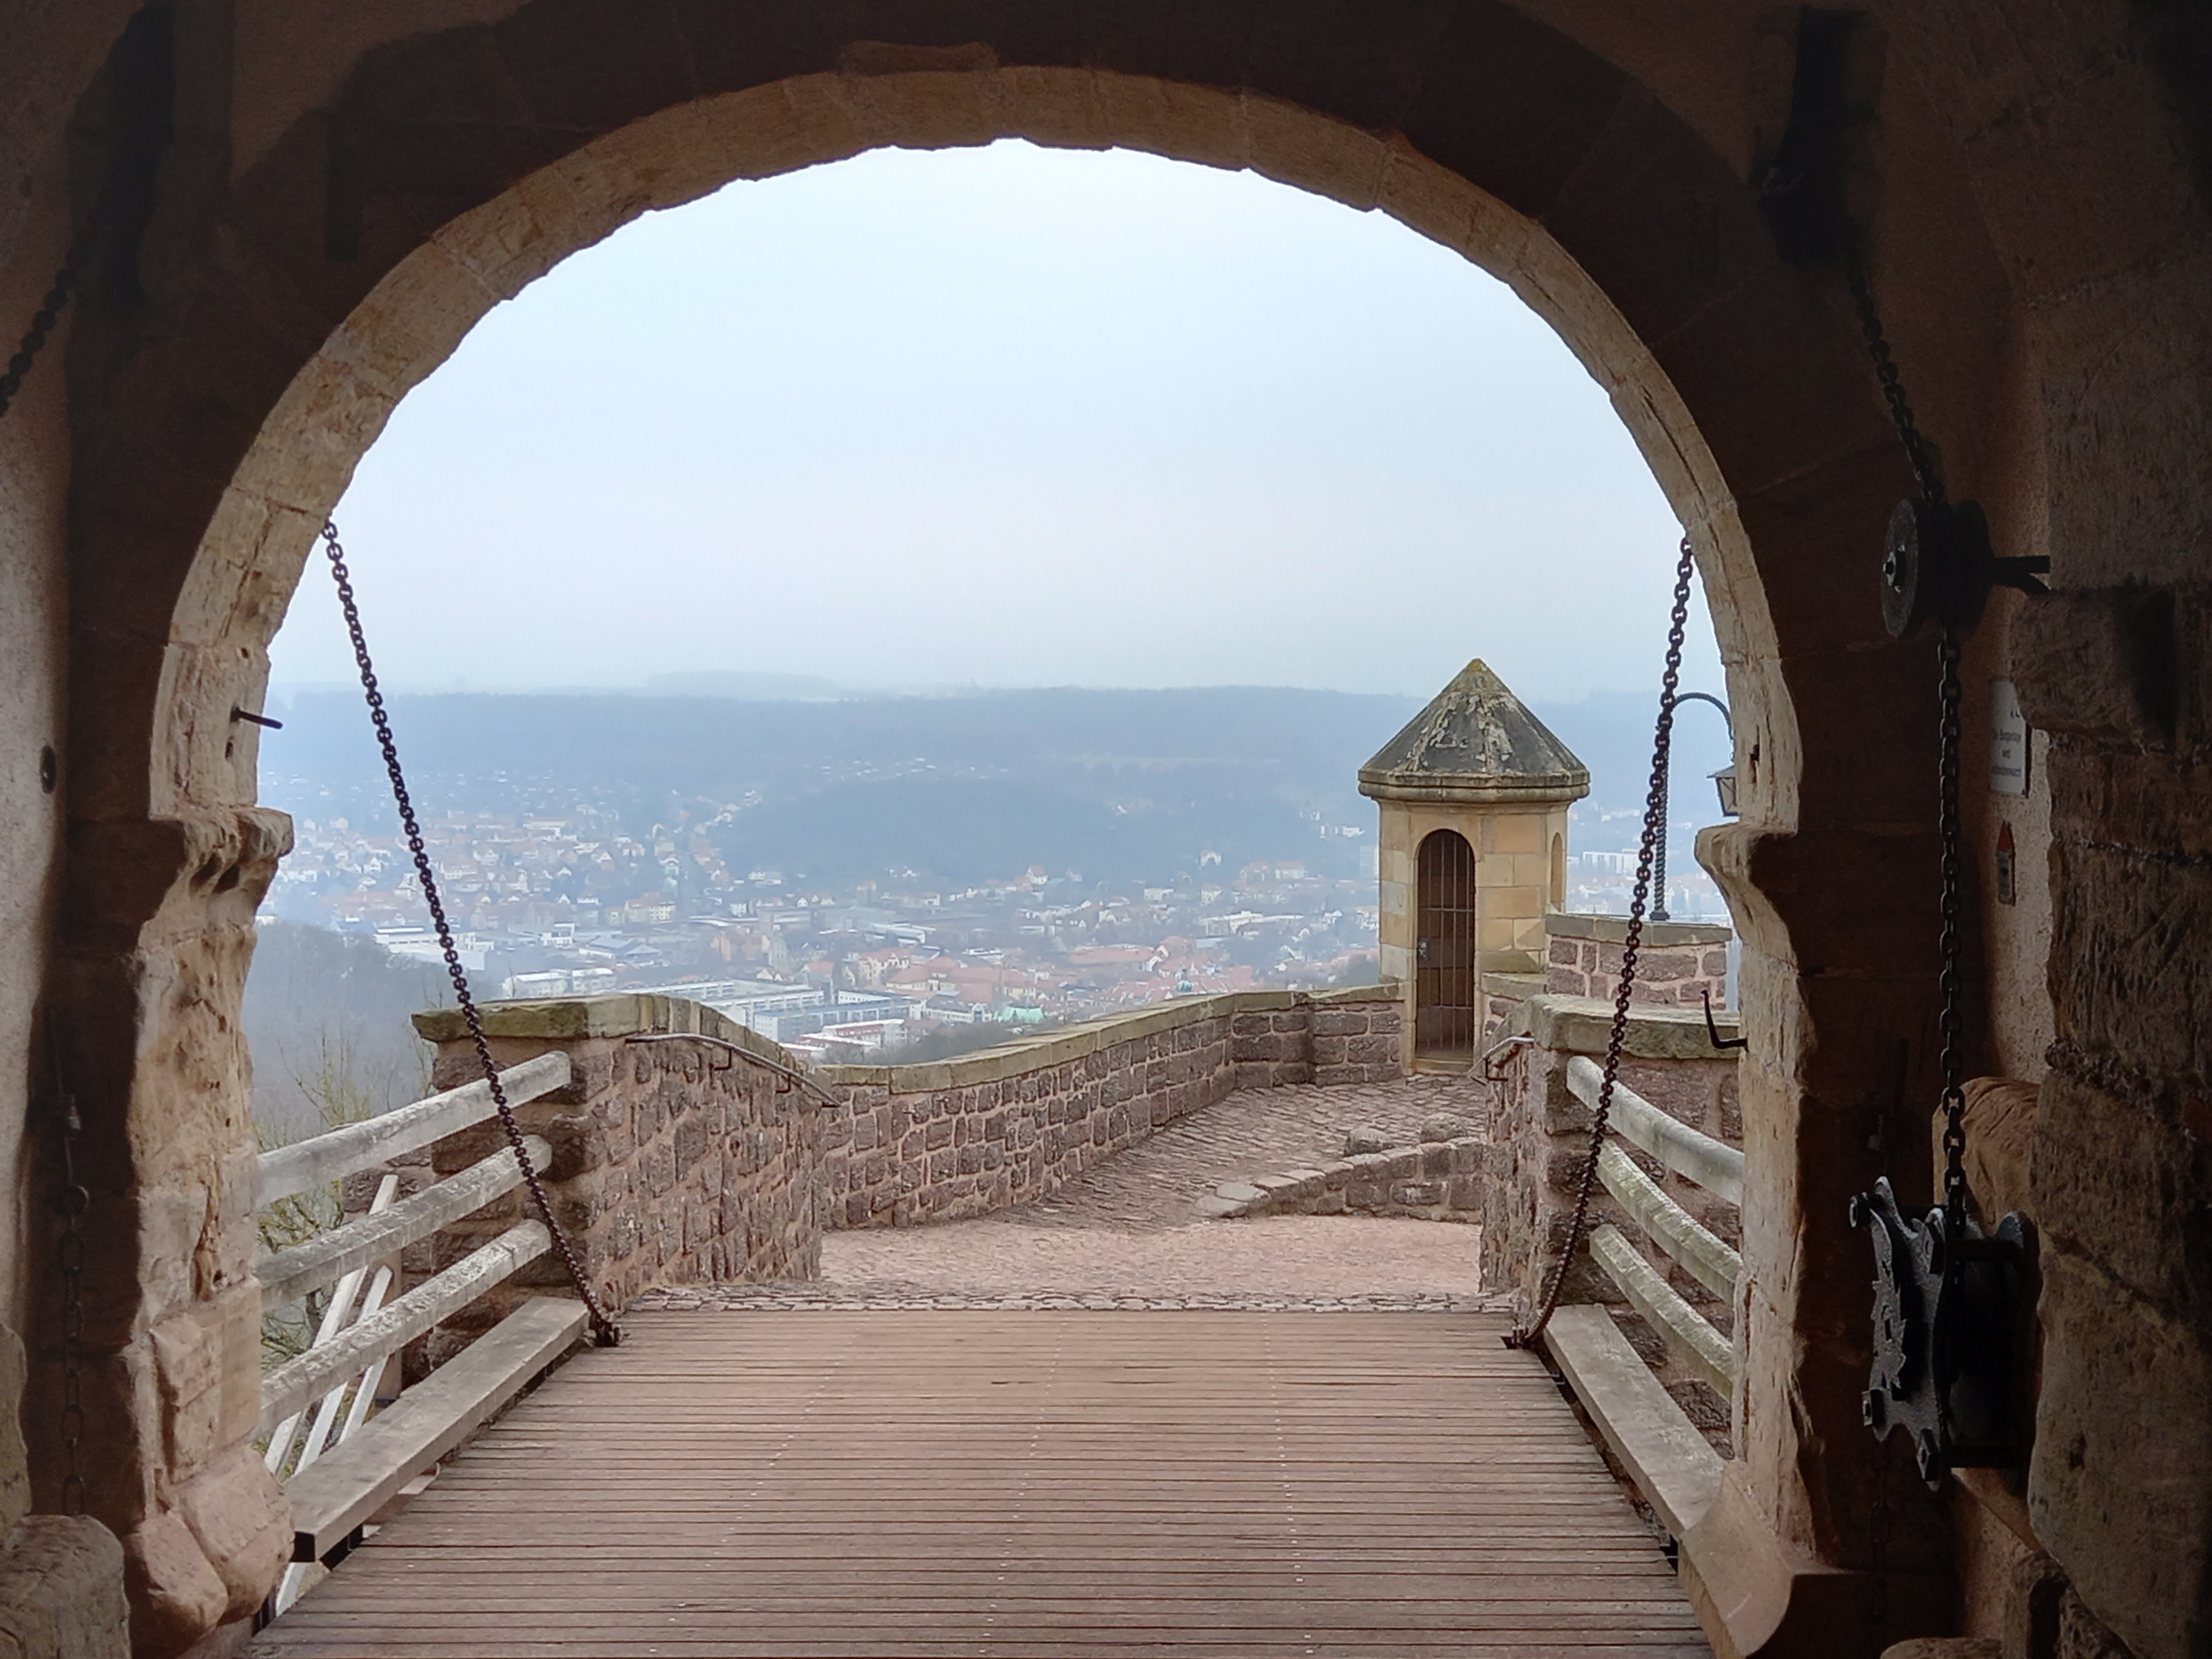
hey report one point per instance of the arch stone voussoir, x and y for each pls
(447, 166)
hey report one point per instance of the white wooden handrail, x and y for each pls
(337, 1313)
(297, 1381)
(327, 1157)
(287, 1275)
(1713, 1165)
(1664, 1452)
(1670, 1226)
(347, 1461)
(1688, 1334)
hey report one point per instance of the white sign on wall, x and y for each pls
(2008, 740)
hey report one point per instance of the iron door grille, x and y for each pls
(1445, 981)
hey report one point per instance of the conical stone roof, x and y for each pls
(1476, 742)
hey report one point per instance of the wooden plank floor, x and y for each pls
(1040, 1484)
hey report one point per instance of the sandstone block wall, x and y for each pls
(680, 1161)
(61, 1591)
(1330, 1038)
(1680, 962)
(674, 1162)
(935, 1142)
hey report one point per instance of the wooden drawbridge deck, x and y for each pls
(1040, 1484)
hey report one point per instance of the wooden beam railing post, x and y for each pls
(317, 1405)
(1661, 1246)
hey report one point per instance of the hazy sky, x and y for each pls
(1007, 416)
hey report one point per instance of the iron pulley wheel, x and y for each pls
(1936, 567)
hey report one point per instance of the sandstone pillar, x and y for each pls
(145, 982)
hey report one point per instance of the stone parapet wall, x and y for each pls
(1680, 963)
(721, 1159)
(674, 1161)
(1539, 1138)
(1326, 1037)
(935, 1142)
(1436, 1181)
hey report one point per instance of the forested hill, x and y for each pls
(709, 745)
(1120, 783)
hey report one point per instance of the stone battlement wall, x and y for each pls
(1435, 1180)
(1680, 963)
(965, 1137)
(725, 1159)
(674, 1162)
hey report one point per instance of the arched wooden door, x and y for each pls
(1444, 976)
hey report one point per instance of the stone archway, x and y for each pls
(352, 250)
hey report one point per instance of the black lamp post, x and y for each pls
(1723, 782)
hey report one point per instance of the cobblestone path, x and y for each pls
(1125, 1234)
(1156, 1184)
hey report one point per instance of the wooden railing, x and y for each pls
(343, 1439)
(1711, 1164)
(1665, 1455)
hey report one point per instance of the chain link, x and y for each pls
(50, 308)
(1917, 450)
(1951, 981)
(42, 324)
(603, 1329)
(1654, 829)
(1952, 976)
(1952, 945)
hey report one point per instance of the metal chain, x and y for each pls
(1655, 828)
(1952, 976)
(1916, 451)
(603, 1329)
(34, 338)
(1952, 945)
(50, 310)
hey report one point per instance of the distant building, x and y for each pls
(421, 943)
(782, 1023)
(559, 982)
(1474, 796)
